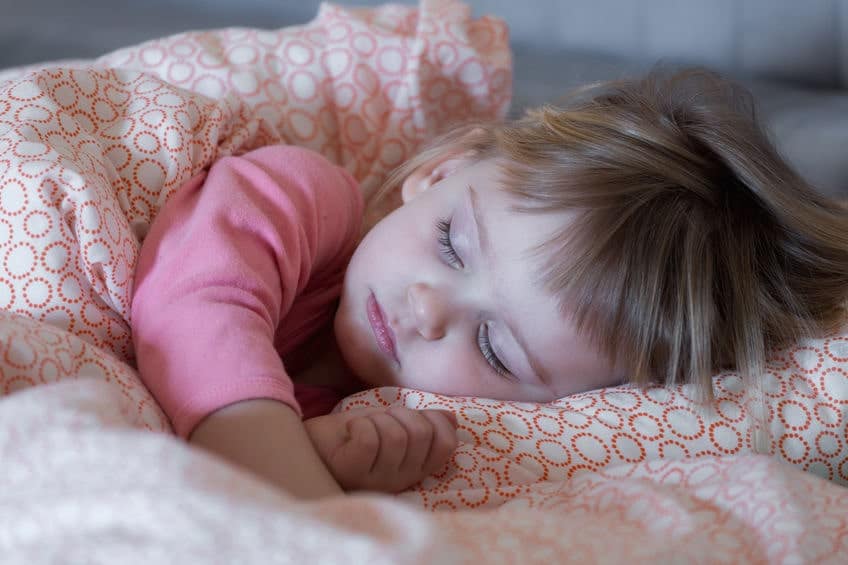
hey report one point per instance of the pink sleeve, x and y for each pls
(222, 265)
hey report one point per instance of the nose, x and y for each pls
(429, 310)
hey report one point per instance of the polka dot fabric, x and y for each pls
(76, 477)
(34, 354)
(90, 152)
(505, 447)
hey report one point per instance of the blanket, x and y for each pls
(89, 153)
(81, 484)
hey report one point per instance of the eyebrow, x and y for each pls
(484, 244)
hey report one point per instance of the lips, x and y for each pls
(382, 332)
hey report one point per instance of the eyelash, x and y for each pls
(448, 252)
(488, 352)
(452, 257)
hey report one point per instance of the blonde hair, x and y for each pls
(696, 248)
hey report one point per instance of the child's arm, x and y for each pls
(225, 265)
(383, 449)
(268, 438)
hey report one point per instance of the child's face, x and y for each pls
(413, 314)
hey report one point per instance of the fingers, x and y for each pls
(444, 441)
(419, 432)
(391, 450)
(449, 415)
(356, 456)
(430, 440)
(364, 437)
(394, 440)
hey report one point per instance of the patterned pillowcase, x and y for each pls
(507, 446)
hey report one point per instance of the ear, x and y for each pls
(429, 174)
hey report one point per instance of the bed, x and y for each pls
(91, 148)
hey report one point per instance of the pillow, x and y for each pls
(505, 447)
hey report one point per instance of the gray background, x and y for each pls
(801, 44)
(800, 40)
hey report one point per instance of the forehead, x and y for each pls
(520, 255)
(517, 235)
(569, 359)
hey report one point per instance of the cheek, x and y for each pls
(584, 370)
(359, 262)
(451, 372)
(442, 370)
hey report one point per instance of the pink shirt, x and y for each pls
(241, 266)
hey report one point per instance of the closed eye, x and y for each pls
(446, 247)
(488, 352)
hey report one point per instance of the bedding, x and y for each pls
(90, 151)
(82, 485)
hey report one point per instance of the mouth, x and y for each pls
(382, 332)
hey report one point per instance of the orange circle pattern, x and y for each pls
(35, 354)
(505, 447)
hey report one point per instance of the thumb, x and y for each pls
(355, 456)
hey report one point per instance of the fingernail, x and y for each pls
(452, 417)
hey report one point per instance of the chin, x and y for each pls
(358, 350)
(370, 372)
(370, 381)
(353, 354)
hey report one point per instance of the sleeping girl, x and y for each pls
(643, 231)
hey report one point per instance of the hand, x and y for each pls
(385, 450)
